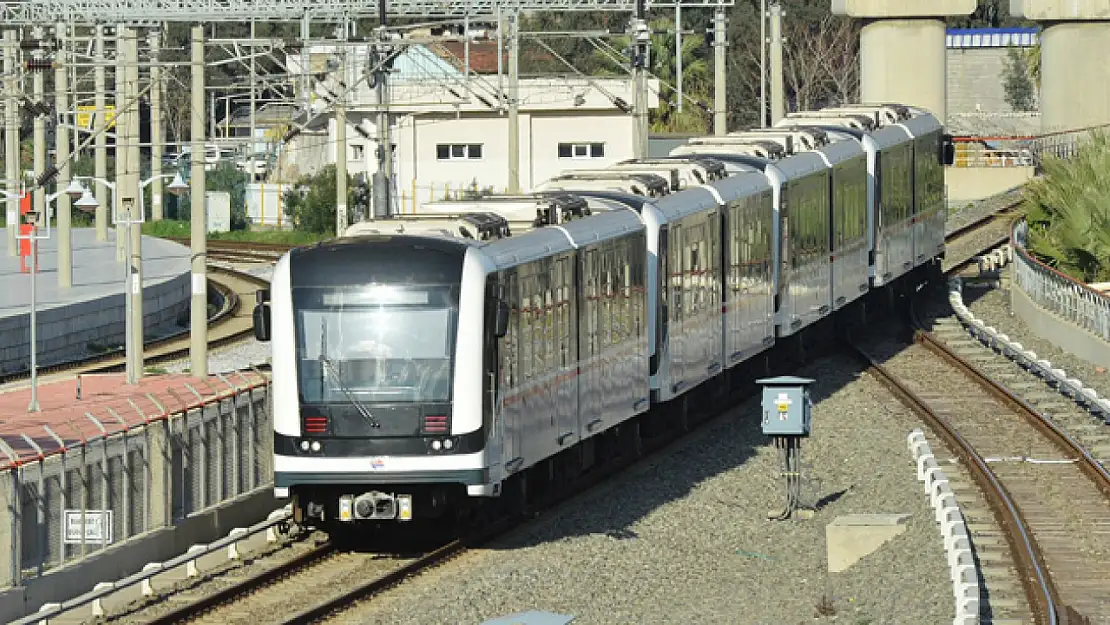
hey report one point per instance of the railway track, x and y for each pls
(1042, 541)
(241, 251)
(966, 243)
(231, 323)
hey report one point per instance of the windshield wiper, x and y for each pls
(329, 367)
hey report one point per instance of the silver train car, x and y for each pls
(418, 373)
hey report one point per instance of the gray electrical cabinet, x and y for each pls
(786, 406)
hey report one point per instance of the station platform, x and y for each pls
(88, 316)
(74, 410)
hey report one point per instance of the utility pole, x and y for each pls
(341, 148)
(61, 152)
(157, 137)
(13, 71)
(137, 216)
(778, 105)
(720, 89)
(513, 27)
(198, 314)
(641, 40)
(100, 141)
(762, 63)
(123, 95)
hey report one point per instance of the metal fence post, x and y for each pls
(11, 554)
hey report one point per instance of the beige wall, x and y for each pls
(970, 184)
(903, 60)
(540, 135)
(1075, 87)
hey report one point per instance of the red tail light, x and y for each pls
(435, 424)
(315, 425)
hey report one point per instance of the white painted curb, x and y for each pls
(966, 581)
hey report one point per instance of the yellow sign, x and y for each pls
(85, 116)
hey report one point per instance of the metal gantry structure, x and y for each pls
(126, 16)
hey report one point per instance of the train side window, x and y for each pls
(526, 317)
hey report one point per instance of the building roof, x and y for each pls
(483, 55)
(991, 37)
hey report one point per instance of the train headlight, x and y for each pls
(304, 445)
(315, 445)
(448, 444)
(436, 445)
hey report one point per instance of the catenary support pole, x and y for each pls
(39, 141)
(513, 40)
(157, 136)
(61, 151)
(762, 63)
(100, 141)
(720, 89)
(678, 53)
(134, 176)
(642, 41)
(11, 135)
(778, 99)
(198, 318)
(341, 153)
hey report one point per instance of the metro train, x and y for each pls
(419, 372)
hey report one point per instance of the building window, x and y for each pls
(459, 151)
(357, 152)
(581, 150)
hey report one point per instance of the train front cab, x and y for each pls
(381, 408)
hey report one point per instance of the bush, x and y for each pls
(1068, 213)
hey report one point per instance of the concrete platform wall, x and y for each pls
(971, 184)
(65, 332)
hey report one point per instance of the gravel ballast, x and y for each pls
(684, 538)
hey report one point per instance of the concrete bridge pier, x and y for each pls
(902, 52)
(1075, 74)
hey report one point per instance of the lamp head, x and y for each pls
(177, 186)
(87, 202)
(75, 190)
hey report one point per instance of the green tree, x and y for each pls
(1069, 218)
(1020, 92)
(311, 203)
(1033, 63)
(224, 177)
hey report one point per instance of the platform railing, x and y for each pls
(1056, 292)
(88, 495)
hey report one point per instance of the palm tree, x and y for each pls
(1069, 215)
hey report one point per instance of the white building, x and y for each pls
(449, 131)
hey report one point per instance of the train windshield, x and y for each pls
(375, 343)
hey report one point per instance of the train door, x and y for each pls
(676, 249)
(589, 365)
(508, 409)
(566, 397)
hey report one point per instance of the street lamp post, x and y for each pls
(132, 287)
(34, 237)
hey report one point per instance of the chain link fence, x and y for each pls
(89, 496)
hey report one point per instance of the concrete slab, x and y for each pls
(531, 618)
(1058, 10)
(90, 312)
(902, 8)
(106, 397)
(853, 536)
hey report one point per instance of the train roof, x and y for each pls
(841, 151)
(603, 226)
(527, 247)
(741, 185)
(691, 201)
(922, 125)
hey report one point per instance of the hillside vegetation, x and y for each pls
(1068, 211)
